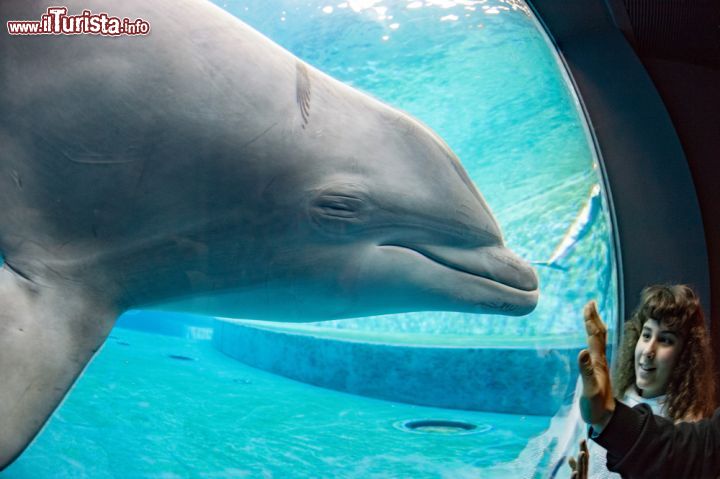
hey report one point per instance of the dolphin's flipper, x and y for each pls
(48, 333)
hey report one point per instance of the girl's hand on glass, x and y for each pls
(597, 403)
(580, 465)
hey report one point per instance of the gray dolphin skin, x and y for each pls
(204, 168)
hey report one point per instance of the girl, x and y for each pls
(665, 361)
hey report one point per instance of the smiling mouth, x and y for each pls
(647, 369)
(494, 263)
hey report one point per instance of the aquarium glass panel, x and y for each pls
(423, 394)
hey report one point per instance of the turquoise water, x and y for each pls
(479, 73)
(137, 412)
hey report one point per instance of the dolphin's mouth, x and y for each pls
(494, 263)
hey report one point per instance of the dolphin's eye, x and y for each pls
(338, 205)
(338, 209)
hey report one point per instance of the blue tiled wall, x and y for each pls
(507, 380)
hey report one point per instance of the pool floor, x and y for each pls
(164, 407)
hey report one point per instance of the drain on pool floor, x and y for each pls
(441, 426)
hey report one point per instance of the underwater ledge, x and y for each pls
(513, 380)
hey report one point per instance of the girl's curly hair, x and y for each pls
(691, 387)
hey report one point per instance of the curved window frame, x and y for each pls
(656, 222)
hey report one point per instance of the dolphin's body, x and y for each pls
(204, 168)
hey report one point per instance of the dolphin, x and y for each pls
(201, 167)
(576, 232)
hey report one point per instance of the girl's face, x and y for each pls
(656, 353)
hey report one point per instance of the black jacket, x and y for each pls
(641, 445)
